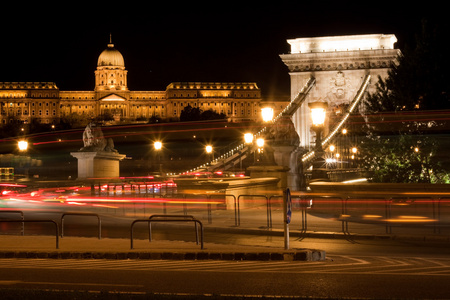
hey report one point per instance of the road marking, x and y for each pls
(339, 264)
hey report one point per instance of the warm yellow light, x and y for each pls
(354, 150)
(332, 148)
(248, 138)
(416, 149)
(337, 155)
(318, 116)
(344, 131)
(318, 112)
(209, 149)
(23, 145)
(267, 114)
(157, 145)
(260, 142)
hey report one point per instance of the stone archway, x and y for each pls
(339, 65)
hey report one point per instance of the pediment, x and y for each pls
(113, 97)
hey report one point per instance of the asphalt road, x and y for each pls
(354, 268)
(348, 276)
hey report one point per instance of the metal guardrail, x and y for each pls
(177, 217)
(236, 206)
(168, 218)
(39, 221)
(268, 208)
(17, 212)
(82, 214)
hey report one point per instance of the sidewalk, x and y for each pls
(107, 248)
(252, 222)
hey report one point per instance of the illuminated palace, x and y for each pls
(23, 101)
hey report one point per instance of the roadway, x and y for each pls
(366, 269)
(358, 267)
(411, 263)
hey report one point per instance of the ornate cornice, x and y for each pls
(341, 60)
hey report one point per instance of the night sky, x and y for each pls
(164, 43)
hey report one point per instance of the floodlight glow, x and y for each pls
(343, 43)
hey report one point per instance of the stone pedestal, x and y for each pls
(290, 157)
(98, 164)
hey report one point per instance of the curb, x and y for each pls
(303, 255)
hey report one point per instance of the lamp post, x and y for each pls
(209, 150)
(318, 114)
(260, 149)
(354, 152)
(248, 139)
(158, 146)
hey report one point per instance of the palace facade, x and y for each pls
(43, 101)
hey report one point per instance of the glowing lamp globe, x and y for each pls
(260, 142)
(267, 114)
(23, 145)
(318, 112)
(248, 138)
(157, 145)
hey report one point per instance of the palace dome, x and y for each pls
(110, 57)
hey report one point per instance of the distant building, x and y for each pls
(24, 101)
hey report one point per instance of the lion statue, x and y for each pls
(94, 140)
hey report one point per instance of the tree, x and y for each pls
(190, 113)
(404, 159)
(211, 115)
(74, 121)
(420, 81)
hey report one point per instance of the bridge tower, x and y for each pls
(339, 65)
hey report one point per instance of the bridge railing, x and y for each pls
(237, 152)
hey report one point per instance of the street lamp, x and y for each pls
(354, 151)
(209, 150)
(260, 150)
(267, 114)
(248, 138)
(23, 145)
(318, 114)
(157, 145)
(260, 142)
